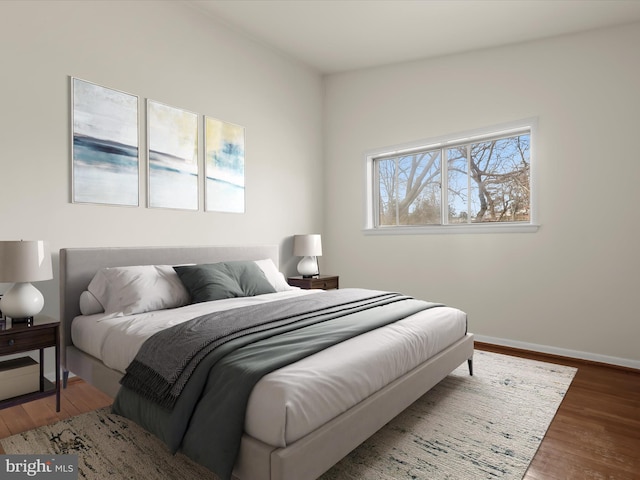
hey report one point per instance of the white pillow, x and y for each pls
(138, 289)
(89, 304)
(274, 276)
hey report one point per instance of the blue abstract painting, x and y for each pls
(224, 166)
(105, 151)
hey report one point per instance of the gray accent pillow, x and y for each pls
(216, 281)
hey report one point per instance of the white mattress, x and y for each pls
(289, 403)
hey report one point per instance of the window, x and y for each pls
(467, 180)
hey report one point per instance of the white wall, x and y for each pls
(172, 53)
(571, 286)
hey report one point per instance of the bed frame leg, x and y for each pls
(470, 363)
(65, 378)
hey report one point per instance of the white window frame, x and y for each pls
(370, 227)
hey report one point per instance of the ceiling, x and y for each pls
(339, 35)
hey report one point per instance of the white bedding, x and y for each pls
(116, 339)
(291, 402)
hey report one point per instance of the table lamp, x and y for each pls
(22, 262)
(309, 247)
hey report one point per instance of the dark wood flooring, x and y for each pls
(594, 435)
(596, 431)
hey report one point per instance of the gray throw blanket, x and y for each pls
(167, 359)
(207, 419)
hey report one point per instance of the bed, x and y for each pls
(291, 452)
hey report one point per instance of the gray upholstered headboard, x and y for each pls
(79, 265)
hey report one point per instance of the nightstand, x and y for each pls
(325, 282)
(44, 332)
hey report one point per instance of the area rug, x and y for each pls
(485, 426)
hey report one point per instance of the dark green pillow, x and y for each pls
(216, 281)
(250, 277)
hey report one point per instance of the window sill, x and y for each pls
(454, 229)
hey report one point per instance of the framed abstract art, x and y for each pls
(172, 141)
(224, 166)
(105, 145)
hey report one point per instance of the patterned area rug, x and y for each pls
(488, 426)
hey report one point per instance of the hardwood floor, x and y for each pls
(79, 397)
(594, 435)
(596, 431)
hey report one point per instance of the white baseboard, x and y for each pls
(563, 352)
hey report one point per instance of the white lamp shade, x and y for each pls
(25, 261)
(22, 262)
(307, 245)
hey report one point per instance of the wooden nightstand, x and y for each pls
(325, 282)
(43, 333)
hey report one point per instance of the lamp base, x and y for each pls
(28, 321)
(308, 267)
(22, 300)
